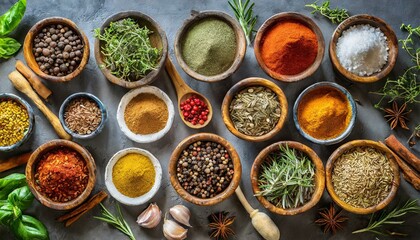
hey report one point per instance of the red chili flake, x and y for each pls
(194, 110)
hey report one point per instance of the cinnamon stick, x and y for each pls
(396, 146)
(14, 161)
(74, 215)
(34, 80)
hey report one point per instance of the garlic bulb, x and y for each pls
(173, 231)
(150, 217)
(181, 213)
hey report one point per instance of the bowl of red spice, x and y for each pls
(325, 113)
(289, 46)
(61, 174)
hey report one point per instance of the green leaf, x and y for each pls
(21, 197)
(11, 19)
(10, 183)
(8, 213)
(29, 227)
(8, 47)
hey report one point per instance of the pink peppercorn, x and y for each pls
(194, 110)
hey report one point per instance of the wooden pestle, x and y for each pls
(15, 161)
(21, 84)
(34, 80)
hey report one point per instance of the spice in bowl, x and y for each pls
(255, 110)
(204, 169)
(82, 116)
(209, 47)
(194, 110)
(133, 175)
(14, 122)
(289, 47)
(61, 175)
(146, 114)
(58, 50)
(324, 113)
(362, 176)
(362, 49)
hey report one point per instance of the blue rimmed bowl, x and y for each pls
(350, 125)
(10, 96)
(104, 114)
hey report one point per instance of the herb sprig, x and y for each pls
(336, 15)
(245, 15)
(386, 218)
(116, 221)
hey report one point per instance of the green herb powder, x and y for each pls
(209, 47)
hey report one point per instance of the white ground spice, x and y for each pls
(362, 49)
(362, 177)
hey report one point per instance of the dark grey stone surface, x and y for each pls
(170, 15)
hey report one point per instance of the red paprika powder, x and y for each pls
(289, 48)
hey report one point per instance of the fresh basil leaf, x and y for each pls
(8, 214)
(11, 19)
(10, 183)
(29, 228)
(21, 197)
(8, 47)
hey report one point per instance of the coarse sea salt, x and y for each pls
(362, 49)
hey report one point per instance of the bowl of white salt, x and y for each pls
(363, 48)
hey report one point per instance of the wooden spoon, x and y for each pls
(21, 84)
(183, 92)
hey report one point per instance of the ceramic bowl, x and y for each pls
(375, 22)
(349, 98)
(157, 40)
(30, 58)
(32, 165)
(114, 191)
(101, 106)
(330, 167)
(148, 137)
(10, 96)
(240, 40)
(248, 82)
(319, 177)
(287, 16)
(230, 189)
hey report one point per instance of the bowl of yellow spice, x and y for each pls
(325, 113)
(133, 176)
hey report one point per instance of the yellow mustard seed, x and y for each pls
(14, 122)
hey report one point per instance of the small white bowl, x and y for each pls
(147, 138)
(114, 191)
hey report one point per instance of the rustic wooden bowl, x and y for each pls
(319, 177)
(30, 58)
(236, 166)
(157, 40)
(240, 40)
(329, 168)
(375, 22)
(248, 82)
(287, 16)
(33, 161)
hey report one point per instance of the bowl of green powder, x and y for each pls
(210, 46)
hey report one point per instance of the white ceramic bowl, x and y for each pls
(119, 196)
(147, 138)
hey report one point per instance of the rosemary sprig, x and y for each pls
(336, 15)
(386, 218)
(116, 221)
(245, 15)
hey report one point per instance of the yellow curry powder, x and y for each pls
(133, 175)
(324, 113)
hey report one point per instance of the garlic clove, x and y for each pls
(181, 213)
(173, 231)
(150, 217)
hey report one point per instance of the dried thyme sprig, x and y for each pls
(116, 221)
(336, 15)
(386, 218)
(245, 15)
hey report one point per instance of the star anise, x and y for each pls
(331, 219)
(397, 115)
(220, 225)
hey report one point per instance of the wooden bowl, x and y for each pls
(319, 177)
(236, 166)
(392, 45)
(157, 40)
(248, 82)
(32, 164)
(240, 41)
(30, 58)
(287, 16)
(361, 143)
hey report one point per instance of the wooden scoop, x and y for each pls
(21, 84)
(183, 92)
